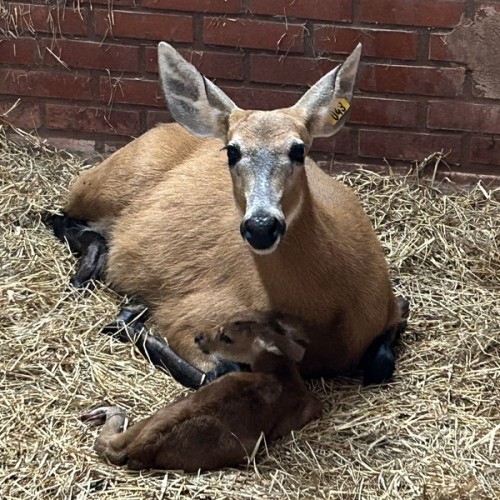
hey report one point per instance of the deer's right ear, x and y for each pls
(281, 346)
(194, 102)
(325, 106)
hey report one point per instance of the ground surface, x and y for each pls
(432, 433)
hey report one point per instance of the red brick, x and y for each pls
(376, 43)
(91, 55)
(324, 10)
(92, 120)
(24, 115)
(254, 98)
(385, 112)
(464, 116)
(154, 117)
(421, 80)
(121, 90)
(41, 84)
(485, 150)
(288, 70)
(26, 18)
(211, 64)
(175, 28)
(17, 51)
(253, 34)
(216, 6)
(428, 13)
(407, 145)
(339, 143)
(115, 3)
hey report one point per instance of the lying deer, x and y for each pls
(221, 424)
(225, 212)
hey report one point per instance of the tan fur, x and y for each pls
(220, 424)
(172, 212)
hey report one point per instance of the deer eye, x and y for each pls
(297, 153)
(224, 338)
(233, 154)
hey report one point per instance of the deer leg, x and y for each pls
(88, 245)
(130, 327)
(379, 361)
(109, 444)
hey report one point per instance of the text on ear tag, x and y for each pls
(340, 109)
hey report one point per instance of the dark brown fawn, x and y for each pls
(221, 424)
(163, 216)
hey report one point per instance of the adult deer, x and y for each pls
(170, 207)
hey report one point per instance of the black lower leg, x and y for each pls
(88, 245)
(379, 362)
(154, 348)
(129, 327)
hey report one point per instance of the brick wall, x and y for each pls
(84, 73)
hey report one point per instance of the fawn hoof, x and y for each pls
(98, 416)
(95, 417)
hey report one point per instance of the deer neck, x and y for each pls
(296, 275)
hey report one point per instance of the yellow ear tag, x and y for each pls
(340, 109)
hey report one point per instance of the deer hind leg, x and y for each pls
(90, 246)
(379, 361)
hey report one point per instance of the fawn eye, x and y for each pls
(297, 153)
(224, 338)
(233, 154)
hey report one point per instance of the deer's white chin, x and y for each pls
(265, 251)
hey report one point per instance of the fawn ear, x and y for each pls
(194, 102)
(292, 329)
(281, 346)
(325, 106)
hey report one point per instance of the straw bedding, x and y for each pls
(432, 433)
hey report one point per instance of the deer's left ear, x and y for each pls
(325, 106)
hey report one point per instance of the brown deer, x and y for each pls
(161, 218)
(221, 424)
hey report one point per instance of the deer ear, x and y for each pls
(292, 329)
(194, 102)
(325, 106)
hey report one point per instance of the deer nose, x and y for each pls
(262, 230)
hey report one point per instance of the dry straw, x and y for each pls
(432, 433)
